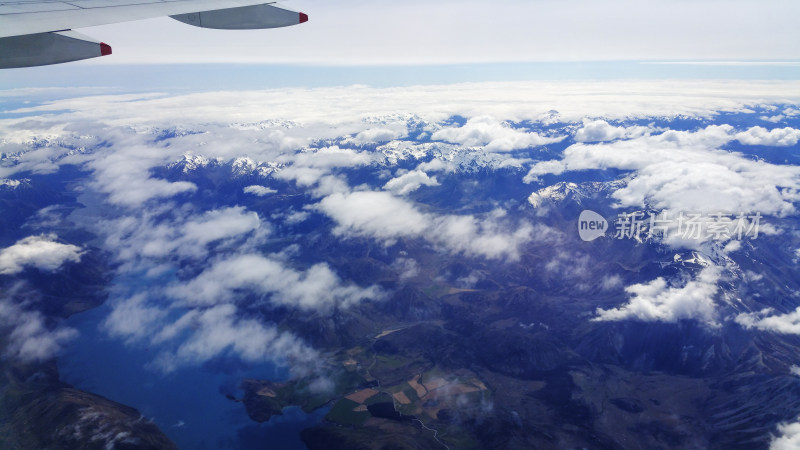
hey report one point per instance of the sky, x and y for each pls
(470, 31)
(404, 43)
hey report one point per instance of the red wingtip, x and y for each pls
(303, 17)
(105, 49)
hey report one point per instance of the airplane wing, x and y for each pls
(39, 32)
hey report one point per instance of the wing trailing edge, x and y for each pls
(42, 49)
(243, 18)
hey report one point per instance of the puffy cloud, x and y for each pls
(376, 214)
(788, 438)
(406, 268)
(611, 282)
(683, 171)
(386, 217)
(27, 335)
(410, 182)
(657, 301)
(133, 318)
(41, 252)
(144, 239)
(474, 237)
(329, 157)
(375, 135)
(765, 320)
(774, 119)
(777, 137)
(124, 174)
(316, 288)
(315, 166)
(198, 335)
(600, 130)
(494, 135)
(219, 329)
(260, 191)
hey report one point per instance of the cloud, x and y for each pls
(410, 182)
(774, 119)
(765, 320)
(611, 282)
(777, 137)
(788, 438)
(386, 217)
(218, 330)
(260, 191)
(41, 252)
(376, 135)
(329, 157)
(201, 334)
(124, 175)
(317, 288)
(27, 335)
(377, 214)
(600, 130)
(493, 135)
(149, 238)
(685, 171)
(316, 166)
(406, 268)
(656, 301)
(133, 318)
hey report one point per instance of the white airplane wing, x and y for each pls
(39, 32)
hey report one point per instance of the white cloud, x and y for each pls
(766, 320)
(146, 240)
(788, 438)
(41, 252)
(777, 137)
(376, 135)
(218, 330)
(410, 182)
(298, 116)
(316, 288)
(377, 214)
(296, 217)
(493, 135)
(134, 318)
(600, 130)
(611, 282)
(315, 166)
(329, 157)
(406, 268)
(260, 191)
(27, 335)
(684, 171)
(386, 217)
(658, 301)
(124, 176)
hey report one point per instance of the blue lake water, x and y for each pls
(189, 405)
